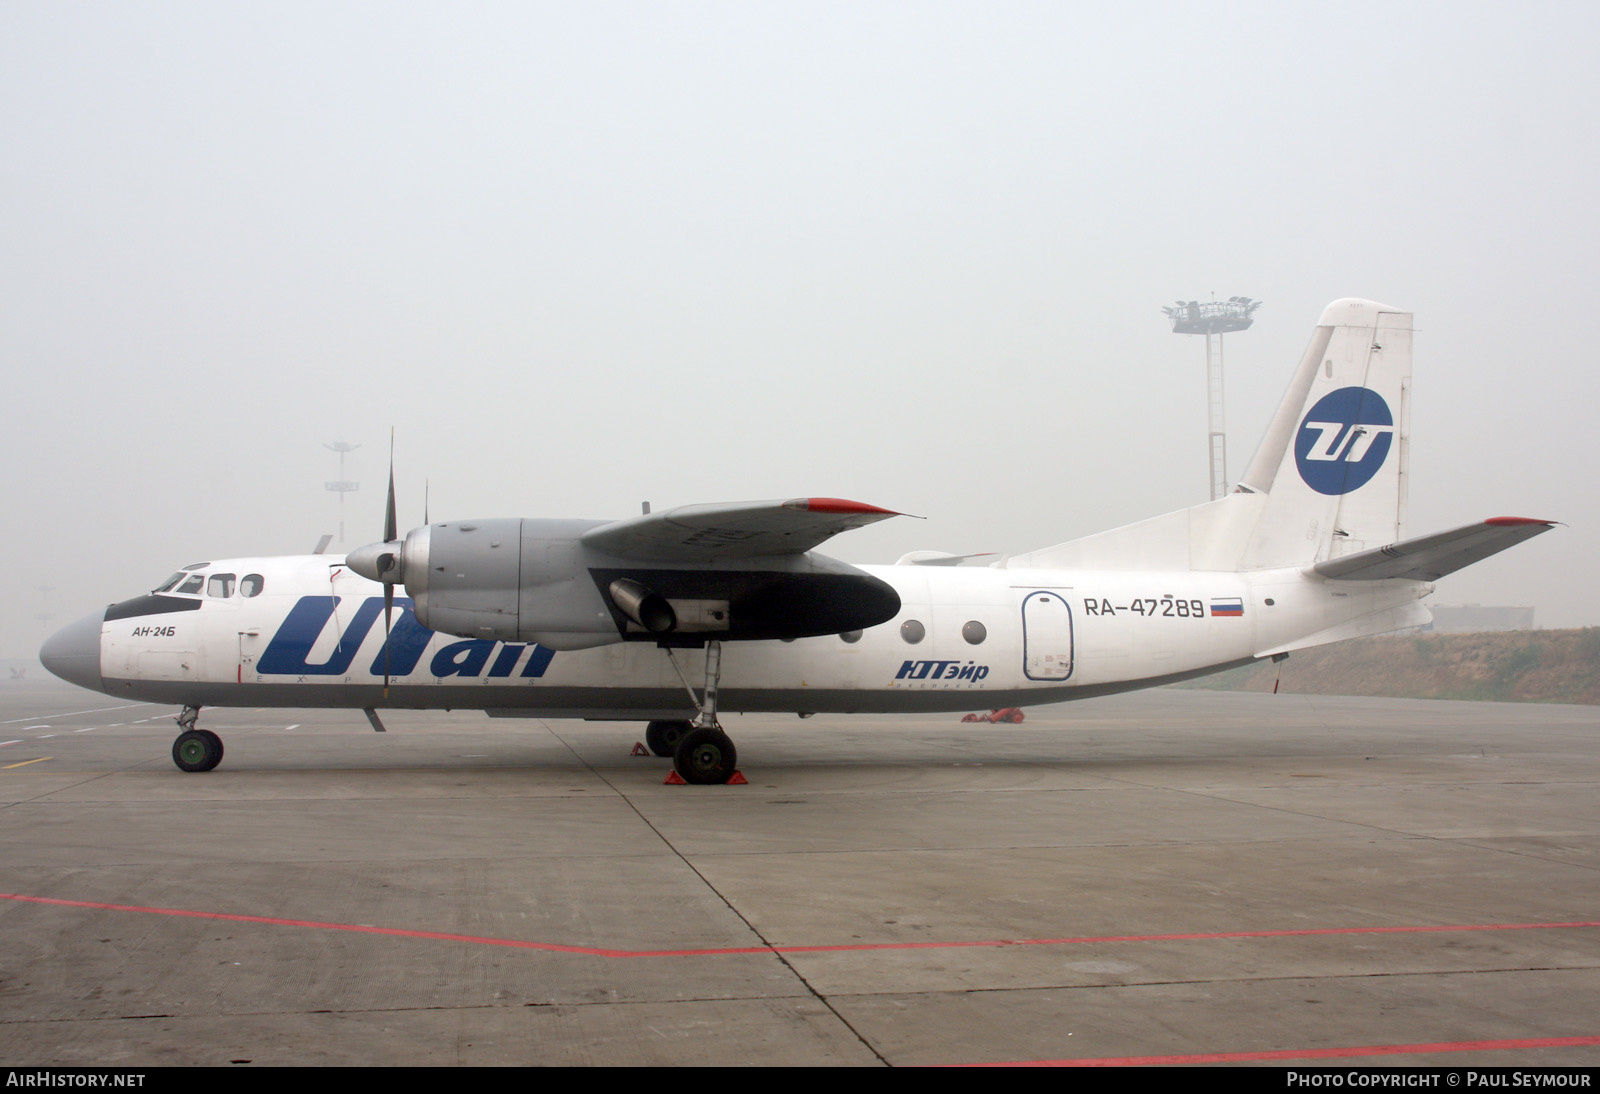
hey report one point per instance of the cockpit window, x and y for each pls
(191, 584)
(250, 585)
(169, 583)
(220, 585)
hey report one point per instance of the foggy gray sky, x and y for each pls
(581, 255)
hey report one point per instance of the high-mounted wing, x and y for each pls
(698, 573)
(715, 533)
(1427, 558)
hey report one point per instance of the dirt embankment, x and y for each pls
(1508, 666)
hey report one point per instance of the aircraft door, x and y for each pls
(248, 648)
(1046, 636)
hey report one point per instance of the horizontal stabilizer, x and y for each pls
(937, 558)
(751, 529)
(1428, 558)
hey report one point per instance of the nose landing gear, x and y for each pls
(195, 749)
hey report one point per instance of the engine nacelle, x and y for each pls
(527, 580)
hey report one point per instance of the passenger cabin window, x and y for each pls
(220, 585)
(250, 585)
(192, 584)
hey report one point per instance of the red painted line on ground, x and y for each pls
(596, 951)
(1306, 1053)
(359, 928)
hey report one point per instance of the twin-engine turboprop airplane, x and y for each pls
(610, 619)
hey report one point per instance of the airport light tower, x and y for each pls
(1214, 319)
(341, 485)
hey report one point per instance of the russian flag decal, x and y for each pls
(1230, 606)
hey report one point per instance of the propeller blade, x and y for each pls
(391, 529)
(391, 532)
(388, 609)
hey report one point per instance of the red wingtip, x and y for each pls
(1505, 521)
(837, 505)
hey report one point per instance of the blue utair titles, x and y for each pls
(291, 644)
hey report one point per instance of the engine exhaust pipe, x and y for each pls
(644, 606)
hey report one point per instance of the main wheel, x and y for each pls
(197, 750)
(705, 756)
(663, 737)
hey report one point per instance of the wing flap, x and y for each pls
(1428, 558)
(752, 529)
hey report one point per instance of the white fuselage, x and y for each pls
(965, 638)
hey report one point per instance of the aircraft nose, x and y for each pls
(73, 652)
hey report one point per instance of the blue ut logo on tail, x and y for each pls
(1344, 440)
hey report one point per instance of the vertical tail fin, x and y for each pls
(1333, 463)
(1329, 479)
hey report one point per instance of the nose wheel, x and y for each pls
(197, 750)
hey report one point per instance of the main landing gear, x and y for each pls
(195, 749)
(663, 737)
(701, 753)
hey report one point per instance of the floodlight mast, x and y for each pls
(341, 485)
(1214, 319)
